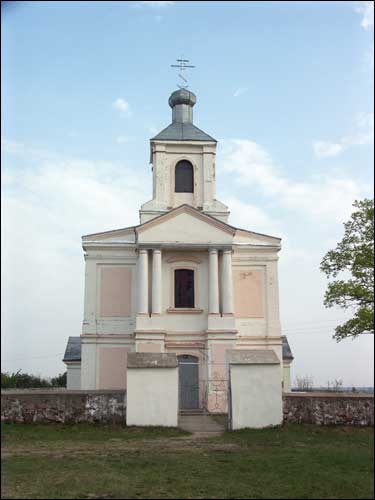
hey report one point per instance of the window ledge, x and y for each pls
(184, 310)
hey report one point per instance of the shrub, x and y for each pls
(20, 380)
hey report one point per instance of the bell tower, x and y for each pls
(183, 164)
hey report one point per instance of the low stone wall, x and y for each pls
(63, 406)
(329, 408)
(36, 405)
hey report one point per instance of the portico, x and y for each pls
(219, 282)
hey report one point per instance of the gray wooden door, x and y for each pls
(188, 382)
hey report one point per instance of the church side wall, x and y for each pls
(73, 376)
(106, 311)
(256, 300)
(256, 294)
(109, 318)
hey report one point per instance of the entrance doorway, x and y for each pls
(188, 369)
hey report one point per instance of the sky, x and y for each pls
(285, 87)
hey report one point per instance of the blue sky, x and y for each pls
(286, 88)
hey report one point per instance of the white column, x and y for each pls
(142, 282)
(227, 283)
(213, 288)
(156, 282)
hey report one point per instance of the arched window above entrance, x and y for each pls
(184, 177)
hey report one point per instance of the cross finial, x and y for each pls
(182, 64)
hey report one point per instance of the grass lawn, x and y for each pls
(87, 461)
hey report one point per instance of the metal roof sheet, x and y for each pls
(186, 131)
(287, 352)
(73, 349)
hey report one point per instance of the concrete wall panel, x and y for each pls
(256, 396)
(152, 397)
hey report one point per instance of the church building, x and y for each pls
(182, 281)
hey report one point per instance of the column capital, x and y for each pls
(212, 250)
(146, 247)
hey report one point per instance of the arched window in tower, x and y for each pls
(184, 288)
(184, 177)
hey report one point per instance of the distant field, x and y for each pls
(87, 461)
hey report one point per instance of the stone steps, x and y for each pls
(204, 424)
(198, 411)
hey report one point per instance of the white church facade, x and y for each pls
(183, 281)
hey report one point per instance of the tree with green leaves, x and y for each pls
(353, 256)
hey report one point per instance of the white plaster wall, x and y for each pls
(93, 323)
(165, 156)
(88, 366)
(250, 258)
(256, 396)
(152, 397)
(287, 378)
(89, 314)
(73, 377)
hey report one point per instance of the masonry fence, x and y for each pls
(43, 406)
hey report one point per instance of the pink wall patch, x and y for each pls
(149, 347)
(115, 291)
(248, 293)
(112, 367)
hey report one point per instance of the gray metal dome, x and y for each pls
(182, 96)
(182, 128)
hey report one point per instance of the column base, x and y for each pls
(218, 322)
(148, 322)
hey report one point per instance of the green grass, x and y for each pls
(84, 433)
(83, 461)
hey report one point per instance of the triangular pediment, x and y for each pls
(185, 225)
(245, 237)
(124, 235)
(182, 225)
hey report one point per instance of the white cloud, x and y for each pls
(249, 216)
(323, 149)
(121, 105)
(321, 196)
(367, 11)
(12, 147)
(240, 91)
(47, 205)
(153, 3)
(363, 134)
(19, 149)
(123, 139)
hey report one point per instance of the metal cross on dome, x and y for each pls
(182, 65)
